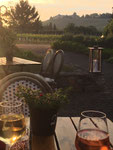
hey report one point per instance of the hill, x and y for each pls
(97, 20)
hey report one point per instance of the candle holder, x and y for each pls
(95, 64)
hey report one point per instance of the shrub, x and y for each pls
(69, 46)
(67, 37)
(90, 41)
(26, 54)
(79, 38)
(107, 53)
(108, 42)
(110, 60)
(7, 41)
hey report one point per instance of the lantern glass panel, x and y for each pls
(95, 54)
(95, 59)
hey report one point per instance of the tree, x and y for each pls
(70, 28)
(7, 42)
(108, 30)
(54, 27)
(24, 18)
(50, 26)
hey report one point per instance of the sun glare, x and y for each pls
(3, 1)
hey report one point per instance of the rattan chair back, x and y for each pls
(9, 87)
(37, 77)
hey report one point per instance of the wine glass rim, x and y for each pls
(17, 104)
(93, 111)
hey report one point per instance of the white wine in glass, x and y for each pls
(12, 122)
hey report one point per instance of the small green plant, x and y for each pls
(7, 38)
(38, 99)
(7, 42)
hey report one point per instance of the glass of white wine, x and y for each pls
(12, 122)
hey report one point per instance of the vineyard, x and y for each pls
(37, 38)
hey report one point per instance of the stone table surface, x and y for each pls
(18, 65)
(17, 60)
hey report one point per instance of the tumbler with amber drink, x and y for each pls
(92, 131)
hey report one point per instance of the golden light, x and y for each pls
(104, 148)
(14, 139)
(3, 2)
(3, 9)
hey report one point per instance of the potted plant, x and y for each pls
(7, 43)
(43, 109)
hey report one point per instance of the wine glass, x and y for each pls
(92, 131)
(12, 122)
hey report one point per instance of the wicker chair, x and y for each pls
(9, 84)
(36, 77)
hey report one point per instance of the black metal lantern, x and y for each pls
(95, 59)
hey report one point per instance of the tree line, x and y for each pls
(90, 30)
(23, 18)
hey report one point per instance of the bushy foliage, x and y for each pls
(7, 37)
(110, 60)
(7, 40)
(38, 99)
(70, 42)
(69, 46)
(108, 42)
(90, 30)
(108, 30)
(24, 18)
(79, 38)
(67, 37)
(107, 53)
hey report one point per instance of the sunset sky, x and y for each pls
(48, 8)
